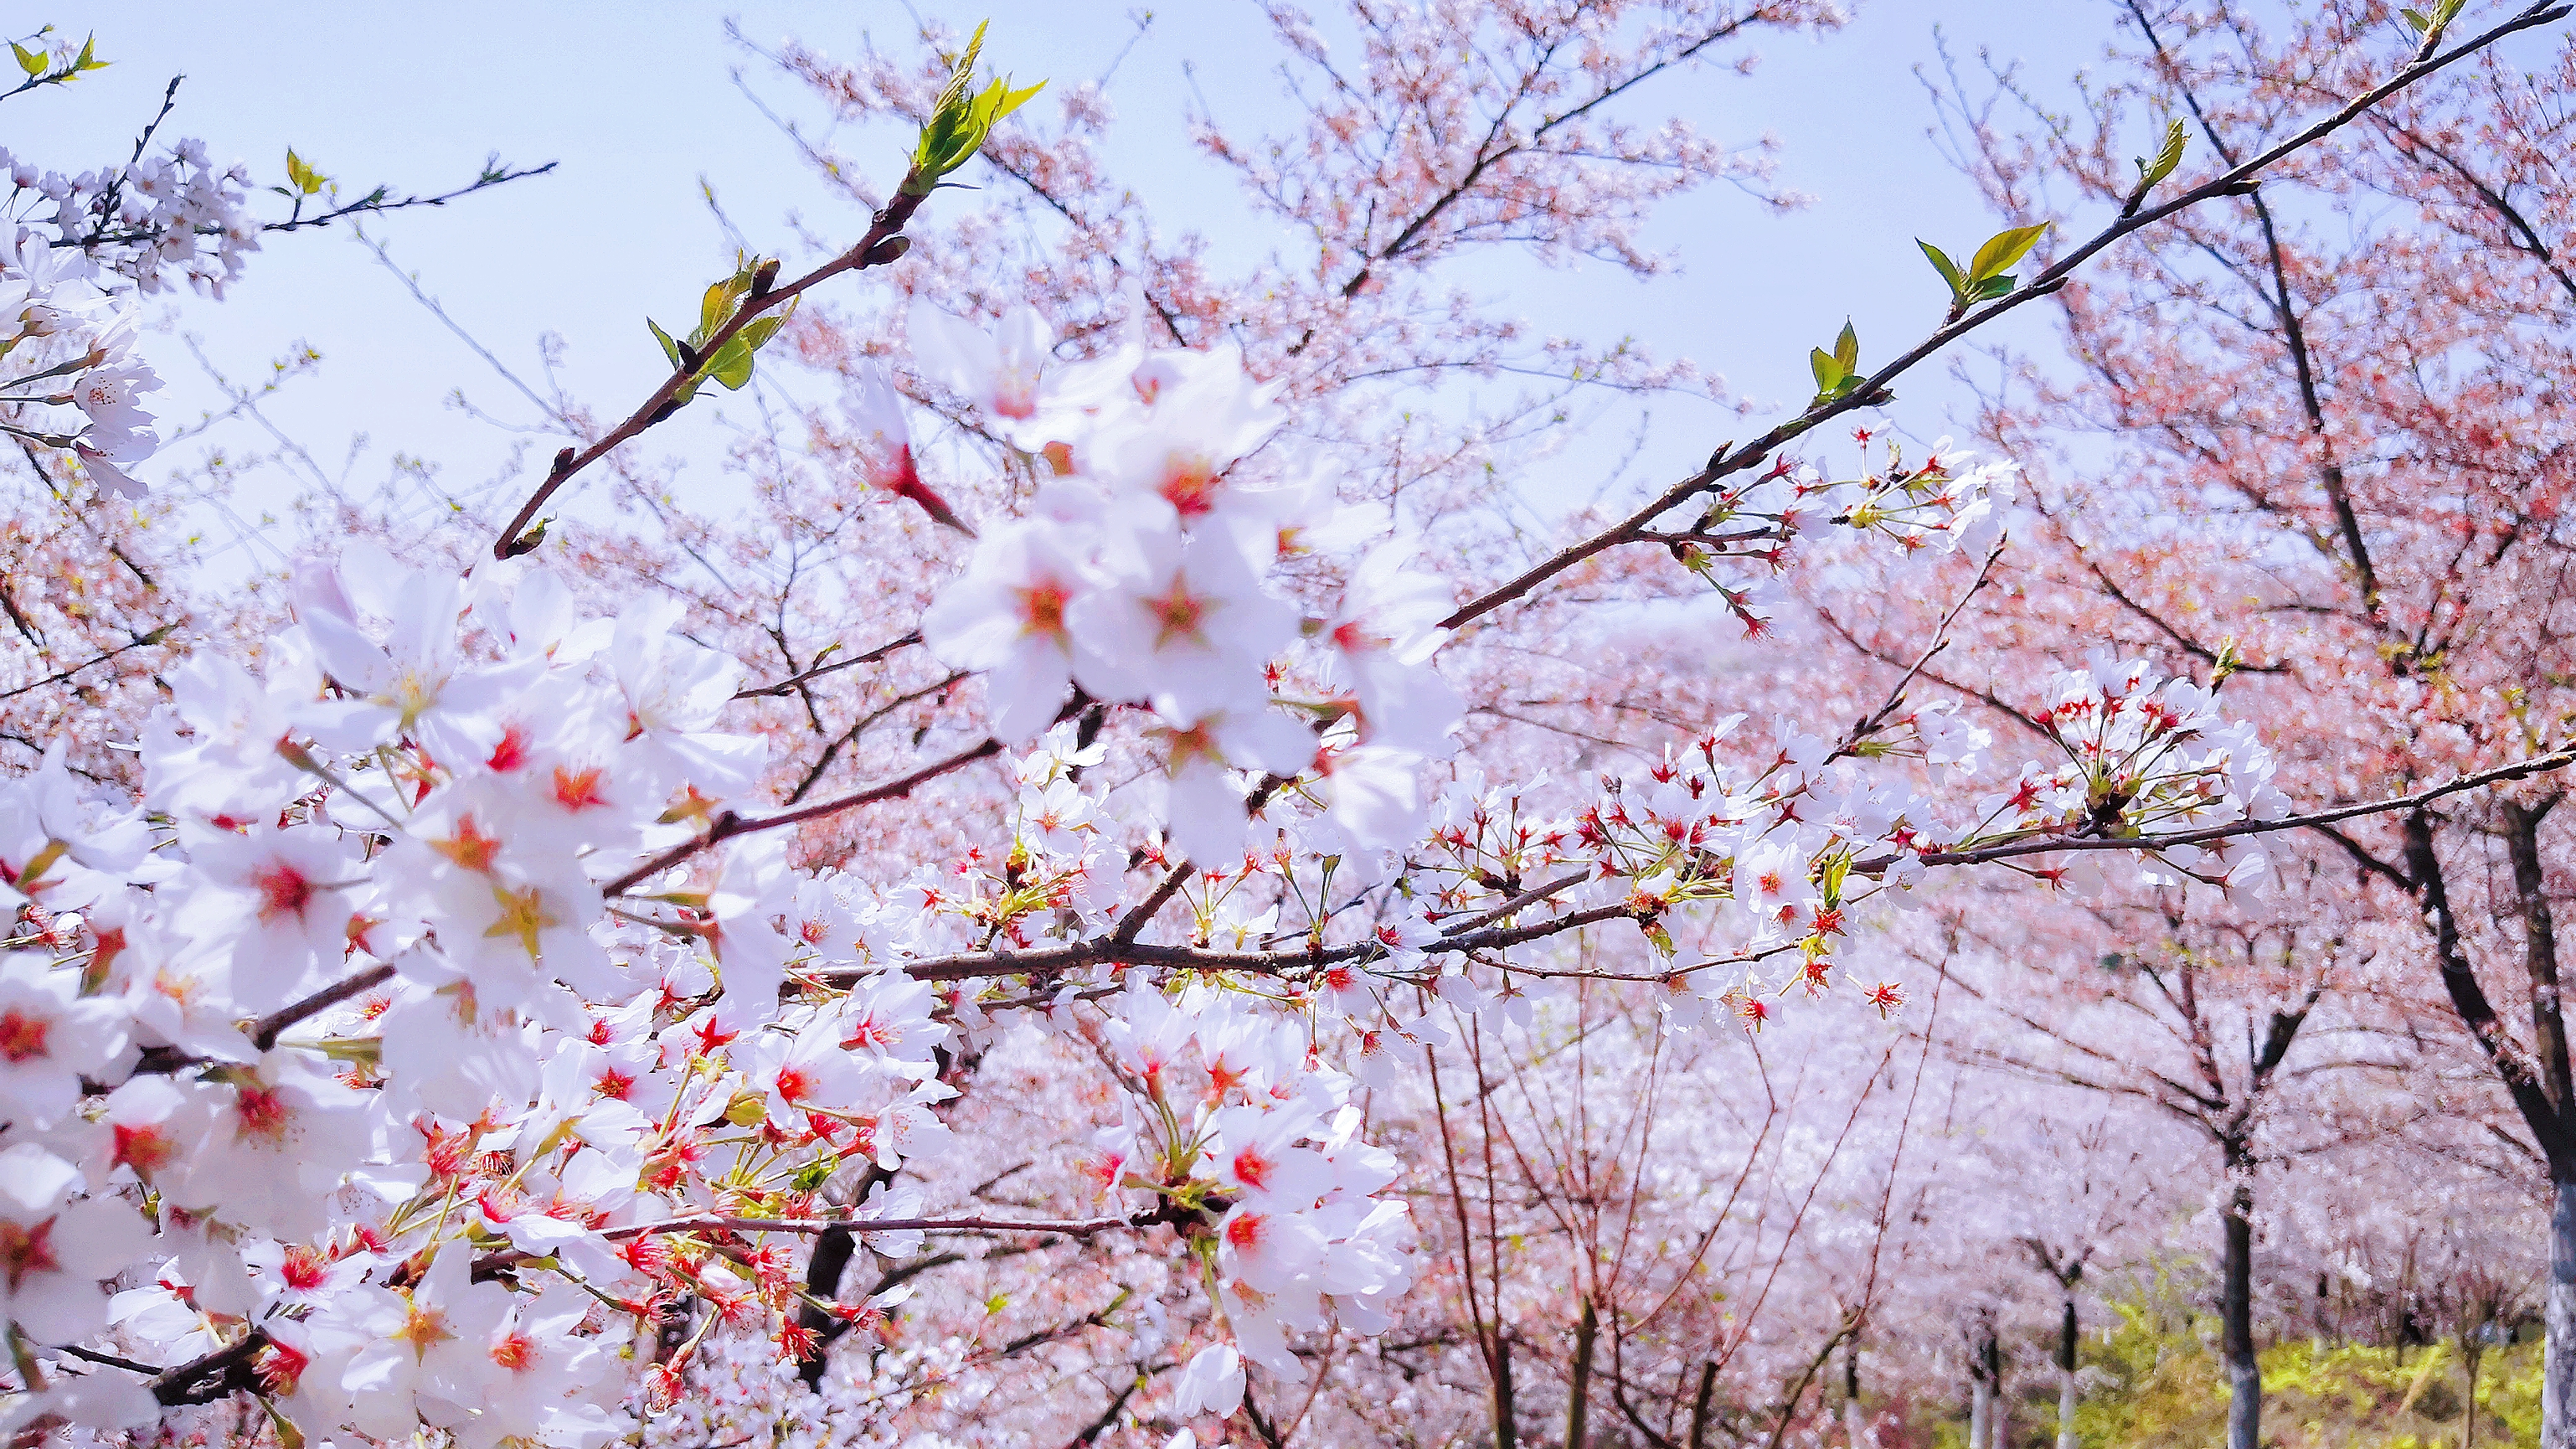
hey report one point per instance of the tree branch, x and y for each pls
(2228, 183)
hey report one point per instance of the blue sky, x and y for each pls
(640, 102)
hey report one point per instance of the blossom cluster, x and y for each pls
(2144, 754)
(1776, 845)
(388, 1064)
(70, 376)
(326, 1045)
(76, 248)
(163, 216)
(1234, 1115)
(1141, 575)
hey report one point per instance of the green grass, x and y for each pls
(2161, 1387)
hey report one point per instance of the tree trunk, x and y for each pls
(2558, 1356)
(2236, 1325)
(1579, 1402)
(1854, 1426)
(1981, 1392)
(1699, 1406)
(1506, 1432)
(2001, 1433)
(2549, 1114)
(2068, 1393)
(2470, 1352)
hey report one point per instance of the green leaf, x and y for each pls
(1993, 287)
(33, 62)
(2004, 249)
(962, 119)
(1847, 349)
(757, 332)
(1829, 373)
(2443, 14)
(301, 175)
(2168, 156)
(1941, 263)
(953, 95)
(731, 364)
(670, 349)
(720, 300)
(288, 1436)
(1000, 100)
(88, 57)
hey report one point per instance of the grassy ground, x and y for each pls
(2159, 1386)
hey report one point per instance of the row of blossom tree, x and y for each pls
(1103, 885)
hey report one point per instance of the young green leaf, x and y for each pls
(1941, 263)
(288, 1436)
(679, 362)
(1829, 373)
(953, 95)
(961, 120)
(731, 364)
(301, 175)
(2168, 156)
(757, 332)
(88, 57)
(719, 302)
(1847, 349)
(1833, 875)
(2004, 249)
(2443, 14)
(998, 100)
(33, 62)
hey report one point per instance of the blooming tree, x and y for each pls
(485, 1018)
(2346, 475)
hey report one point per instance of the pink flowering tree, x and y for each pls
(521, 999)
(2344, 455)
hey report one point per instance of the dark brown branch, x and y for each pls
(2460, 981)
(1133, 923)
(728, 825)
(373, 203)
(264, 1032)
(141, 641)
(870, 251)
(216, 1375)
(2539, 947)
(789, 685)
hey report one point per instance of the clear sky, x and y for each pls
(640, 101)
